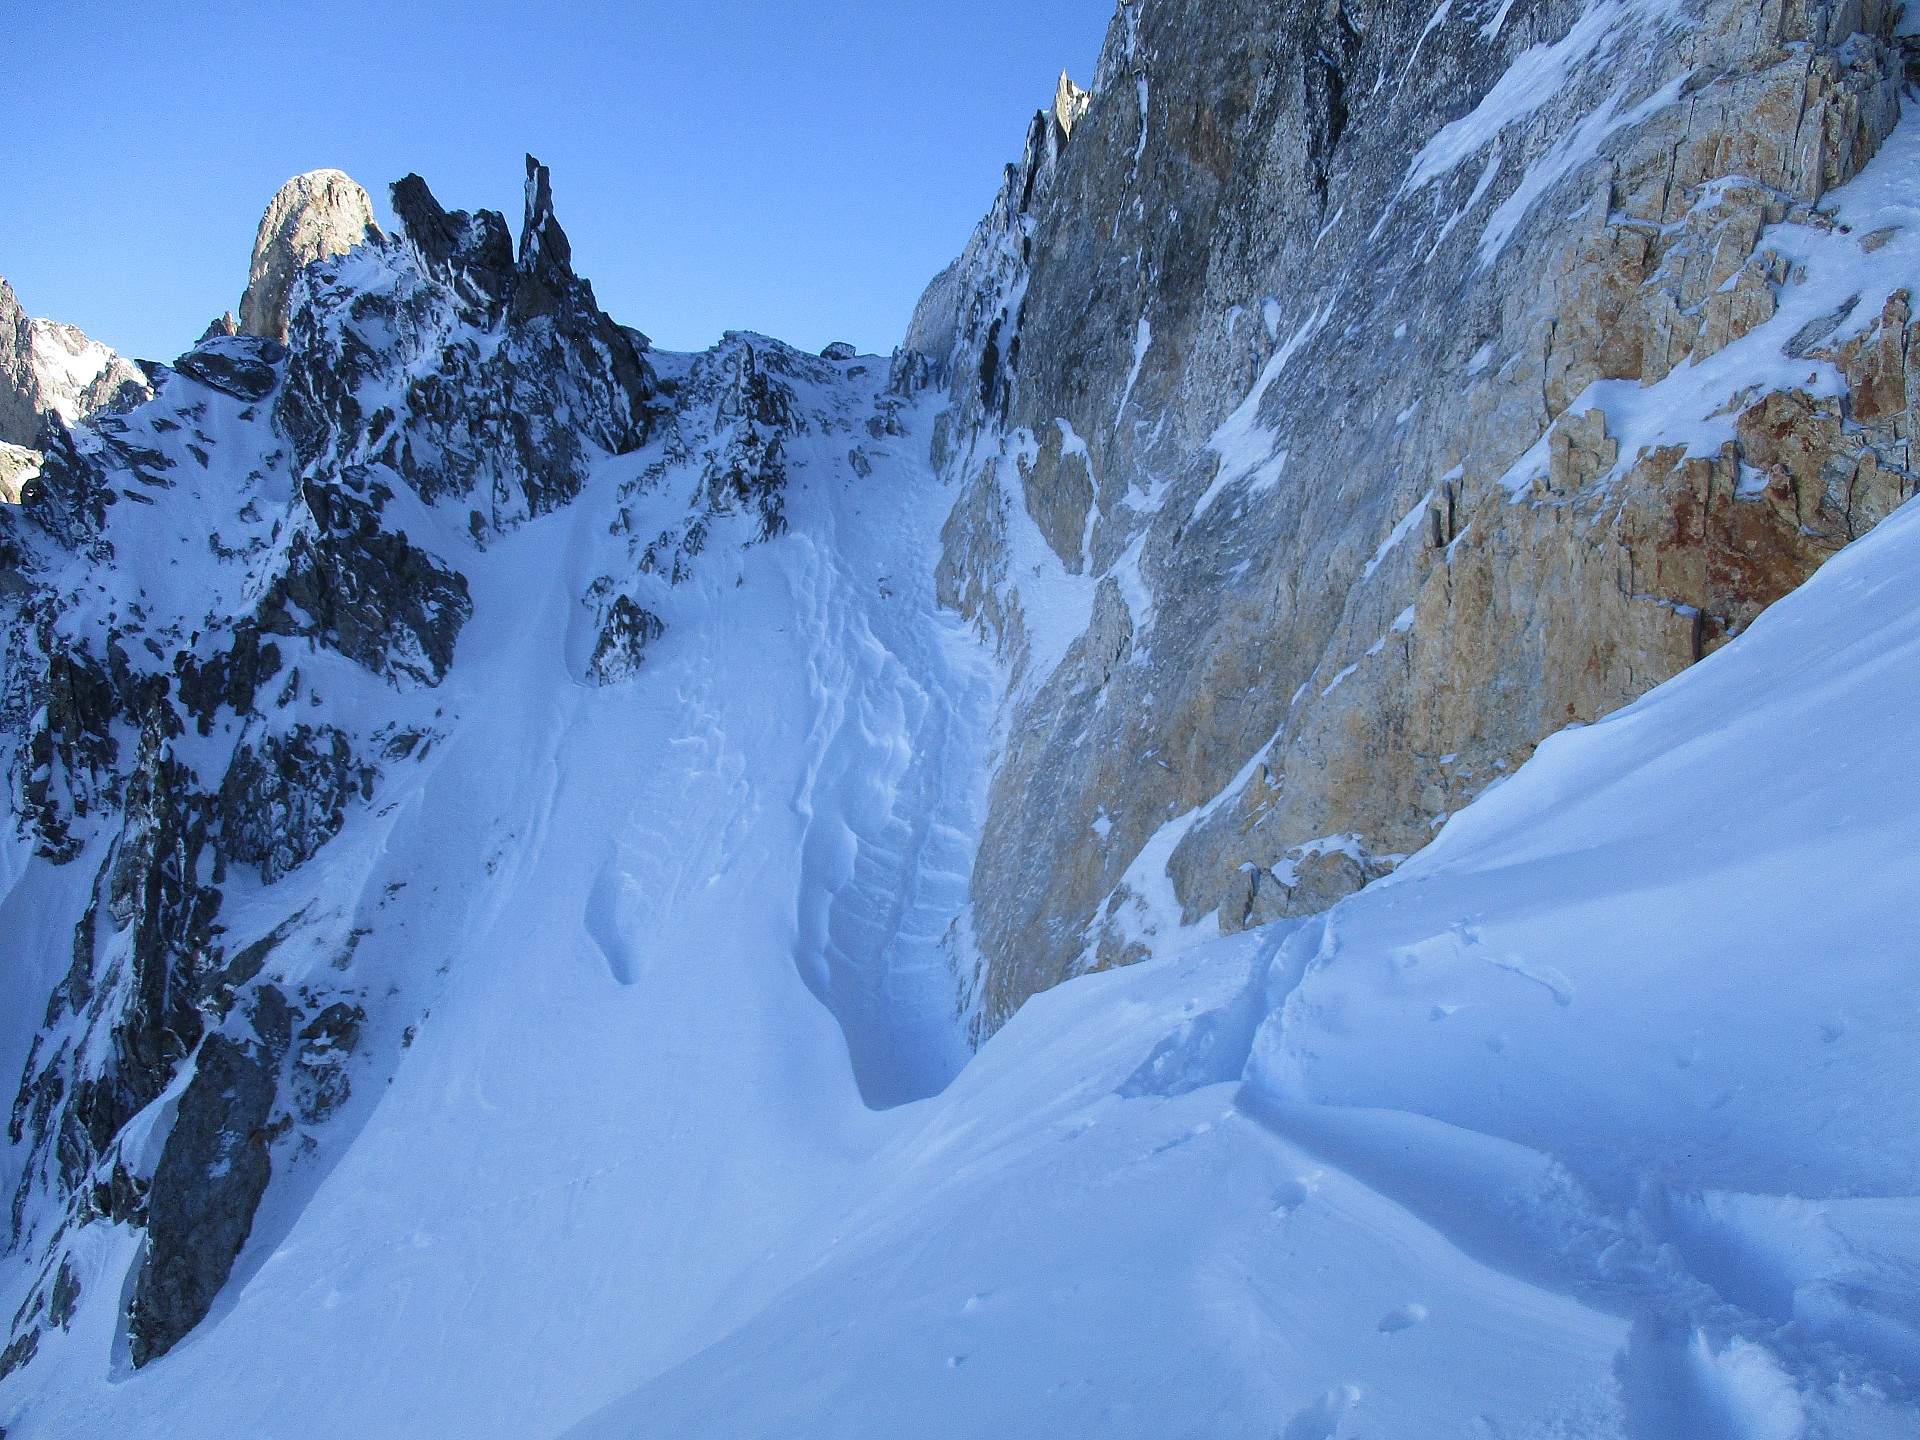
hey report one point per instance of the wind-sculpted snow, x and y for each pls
(1593, 1120)
(234, 616)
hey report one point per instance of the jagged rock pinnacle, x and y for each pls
(314, 216)
(1070, 102)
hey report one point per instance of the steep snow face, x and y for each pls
(634, 959)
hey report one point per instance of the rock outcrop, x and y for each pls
(315, 216)
(53, 371)
(506, 421)
(1336, 415)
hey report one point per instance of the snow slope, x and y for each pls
(601, 907)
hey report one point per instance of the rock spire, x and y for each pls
(313, 217)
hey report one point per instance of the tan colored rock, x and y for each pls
(1363, 618)
(18, 465)
(313, 217)
(1070, 102)
(1579, 451)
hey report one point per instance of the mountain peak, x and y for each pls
(314, 216)
(49, 369)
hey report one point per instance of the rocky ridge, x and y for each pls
(228, 613)
(1270, 606)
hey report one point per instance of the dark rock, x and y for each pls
(68, 499)
(473, 253)
(514, 426)
(66, 1294)
(231, 677)
(212, 1173)
(839, 350)
(20, 1352)
(287, 796)
(544, 278)
(320, 1082)
(243, 967)
(624, 636)
(757, 409)
(240, 366)
(367, 592)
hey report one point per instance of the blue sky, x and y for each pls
(797, 169)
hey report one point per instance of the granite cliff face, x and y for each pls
(1368, 390)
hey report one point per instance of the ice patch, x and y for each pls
(1567, 155)
(1244, 446)
(1532, 80)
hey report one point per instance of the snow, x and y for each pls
(1489, 1114)
(66, 362)
(1537, 76)
(1480, 187)
(1562, 1125)
(1142, 341)
(1334, 684)
(1533, 80)
(1400, 531)
(1054, 605)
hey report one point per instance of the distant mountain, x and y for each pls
(52, 370)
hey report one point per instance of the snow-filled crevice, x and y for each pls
(892, 805)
